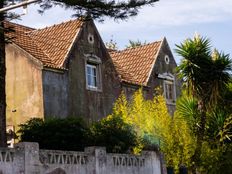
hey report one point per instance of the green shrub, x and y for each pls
(57, 134)
(113, 133)
(72, 134)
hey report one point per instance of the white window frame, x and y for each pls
(93, 61)
(169, 79)
(93, 77)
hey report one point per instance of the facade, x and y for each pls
(65, 70)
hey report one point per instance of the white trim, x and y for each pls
(71, 45)
(153, 63)
(167, 59)
(93, 60)
(92, 76)
(169, 78)
(91, 41)
(166, 76)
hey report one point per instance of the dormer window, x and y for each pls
(93, 72)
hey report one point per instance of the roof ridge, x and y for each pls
(19, 25)
(155, 58)
(140, 46)
(55, 25)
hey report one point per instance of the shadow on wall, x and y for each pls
(56, 171)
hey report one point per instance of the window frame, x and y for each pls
(93, 75)
(93, 62)
(169, 79)
(167, 85)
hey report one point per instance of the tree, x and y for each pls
(154, 125)
(2, 82)
(206, 75)
(96, 9)
(133, 44)
(216, 146)
(111, 45)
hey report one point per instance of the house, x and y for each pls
(65, 70)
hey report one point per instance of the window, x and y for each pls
(93, 72)
(169, 90)
(168, 87)
(91, 75)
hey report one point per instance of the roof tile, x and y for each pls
(49, 45)
(136, 63)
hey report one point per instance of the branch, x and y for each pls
(98, 9)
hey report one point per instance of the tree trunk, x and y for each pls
(2, 82)
(200, 137)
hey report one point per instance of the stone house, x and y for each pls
(65, 70)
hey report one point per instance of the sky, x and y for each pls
(174, 19)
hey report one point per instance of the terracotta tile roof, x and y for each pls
(49, 45)
(20, 37)
(134, 64)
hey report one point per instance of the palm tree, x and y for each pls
(205, 74)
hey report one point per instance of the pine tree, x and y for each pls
(98, 9)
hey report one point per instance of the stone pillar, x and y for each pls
(27, 158)
(99, 160)
(153, 164)
(163, 164)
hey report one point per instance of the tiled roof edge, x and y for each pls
(71, 45)
(137, 47)
(155, 58)
(31, 56)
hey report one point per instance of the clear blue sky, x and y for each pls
(174, 19)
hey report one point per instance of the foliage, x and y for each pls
(154, 125)
(72, 134)
(59, 134)
(216, 146)
(112, 45)
(114, 134)
(133, 44)
(206, 74)
(225, 101)
(187, 107)
(98, 9)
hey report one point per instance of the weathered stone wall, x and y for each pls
(55, 93)
(27, 158)
(161, 67)
(90, 104)
(24, 95)
(65, 92)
